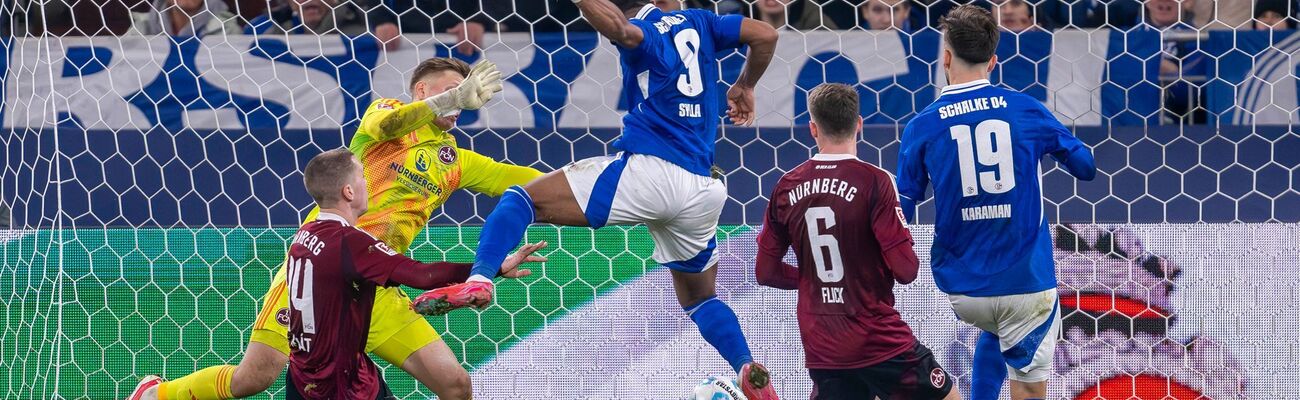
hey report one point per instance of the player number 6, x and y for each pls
(830, 267)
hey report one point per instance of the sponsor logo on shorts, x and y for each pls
(282, 316)
(937, 377)
(447, 155)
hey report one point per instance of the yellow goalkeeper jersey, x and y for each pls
(412, 166)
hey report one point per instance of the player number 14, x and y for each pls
(300, 293)
(993, 145)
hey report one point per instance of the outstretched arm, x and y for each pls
(374, 261)
(482, 174)
(435, 275)
(1067, 149)
(429, 276)
(761, 39)
(610, 21)
(1077, 160)
(388, 118)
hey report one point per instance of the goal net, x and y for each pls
(153, 181)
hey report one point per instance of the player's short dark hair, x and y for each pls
(630, 5)
(971, 33)
(436, 65)
(834, 107)
(326, 174)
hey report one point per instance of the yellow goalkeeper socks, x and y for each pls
(211, 383)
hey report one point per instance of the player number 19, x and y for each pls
(988, 135)
(830, 267)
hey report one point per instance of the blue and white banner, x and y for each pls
(1255, 77)
(304, 82)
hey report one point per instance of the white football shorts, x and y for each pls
(680, 208)
(1027, 326)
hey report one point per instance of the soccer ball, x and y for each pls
(717, 388)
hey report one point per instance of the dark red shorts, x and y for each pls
(913, 374)
(291, 390)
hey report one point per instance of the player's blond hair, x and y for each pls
(436, 65)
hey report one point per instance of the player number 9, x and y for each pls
(688, 48)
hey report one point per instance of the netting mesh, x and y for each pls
(153, 180)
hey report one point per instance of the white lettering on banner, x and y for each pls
(873, 55)
(1074, 75)
(36, 92)
(1268, 95)
(314, 99)
(509, 109)
(597, 91)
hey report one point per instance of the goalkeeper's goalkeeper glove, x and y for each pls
(484, 80)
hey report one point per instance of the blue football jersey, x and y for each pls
(981, 147)
(678, 118)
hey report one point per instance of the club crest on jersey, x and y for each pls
(282, 316)
(422, 160)
(447, 155)
(937, 377)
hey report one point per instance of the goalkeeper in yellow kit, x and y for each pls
(411, 166)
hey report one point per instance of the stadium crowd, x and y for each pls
(1183, 22)
(388, 19)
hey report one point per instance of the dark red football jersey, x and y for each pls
(842, 217)
(333, 271)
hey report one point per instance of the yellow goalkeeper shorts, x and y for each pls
(396, 331)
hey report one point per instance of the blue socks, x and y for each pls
(505, 228)
(988, 369)
(719, 326)
(502, 232)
